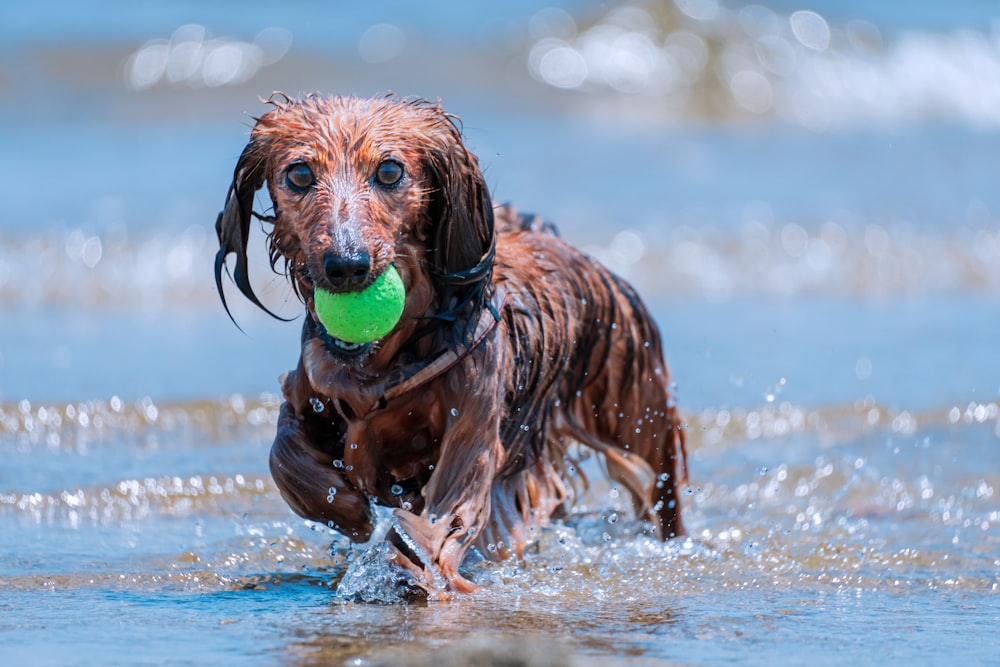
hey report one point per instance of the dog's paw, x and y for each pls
(425, 549)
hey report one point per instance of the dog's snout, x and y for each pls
(346, 271)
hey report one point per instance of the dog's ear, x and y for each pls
(462, 240)
(233, 224)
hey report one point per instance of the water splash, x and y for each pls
(373, 577)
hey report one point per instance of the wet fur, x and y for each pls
(477, 456)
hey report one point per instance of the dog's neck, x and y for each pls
(404, 361)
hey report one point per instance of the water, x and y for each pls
(815, 229)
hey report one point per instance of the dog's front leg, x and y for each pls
(308, 481)
(433, 544)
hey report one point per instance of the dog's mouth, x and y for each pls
(343, 348)
(336, 346)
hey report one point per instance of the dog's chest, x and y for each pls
(391, 455)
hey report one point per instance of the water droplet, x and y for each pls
(317, 405)
(354, 445)
(332, 491)
(762, 471)
(613, 517)
(396, 489)
(606, 537)
(454, 412)
(337, 463)
(407, 505)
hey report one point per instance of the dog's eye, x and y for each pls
(389, 173)
(299, 176)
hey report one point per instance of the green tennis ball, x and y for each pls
(365, 316)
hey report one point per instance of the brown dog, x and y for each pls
(512, 345)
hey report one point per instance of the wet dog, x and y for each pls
(511, 347)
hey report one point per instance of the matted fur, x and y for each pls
(475, 455)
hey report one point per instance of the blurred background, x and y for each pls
(805, 192)
(726, 157)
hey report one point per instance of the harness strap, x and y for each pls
(442, 363)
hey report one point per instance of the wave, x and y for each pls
(760, 256)
(697, 58)
(73, 425)
(134, 499)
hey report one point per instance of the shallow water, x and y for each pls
(831, 530)
(825, 269)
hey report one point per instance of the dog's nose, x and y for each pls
(347, 270)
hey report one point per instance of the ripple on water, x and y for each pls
(840, 256)
(802, 520)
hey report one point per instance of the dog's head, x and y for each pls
(357, 185)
